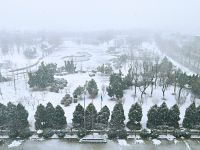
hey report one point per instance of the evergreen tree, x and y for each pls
(174, 114)
(92, 88)
(182, 81)
(21, 117)
(78, 117)
(105, 69)
(90, 116)
(50, 114)
(195, 84)
(103, 116)
(40, 118)
(128, 80)
(17, 119)
(152, 115)
(59, 119)
(78, 91)
(117, 117)
(198, 117)
(70, 66)
(43, 77)
(163, 114)
(3, 116)
(135, 116)
(116, 86)
(189, 120)
(12, 116)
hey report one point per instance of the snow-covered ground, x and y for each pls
(15, 143)
(156, 142)
(122, 142)
(94, 55)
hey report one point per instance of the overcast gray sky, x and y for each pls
(176, 15)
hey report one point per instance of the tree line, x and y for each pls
(14, 118)
(149, 74)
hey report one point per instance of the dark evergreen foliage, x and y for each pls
(189, 120)
(174, 118)
(163, 115)
(135, 116)
(103, 116)
(144, 134)
(40, 117)
(43, 77)
(17, 120)
(78, 117)
(152, 115)
(50, 115)
(90, 116)
(78, 91)
(117, 117)
(3, 116)
(60, 119)
(92, 88)
(70, 67)
(116, 86)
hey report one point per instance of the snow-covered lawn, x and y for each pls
(15, 143)
(122, 142)
(156, 142)
(138, 142)
(30, 99)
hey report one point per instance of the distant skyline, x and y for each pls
(87, 15)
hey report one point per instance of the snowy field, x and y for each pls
(87, 57)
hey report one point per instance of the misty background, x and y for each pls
(87, 15)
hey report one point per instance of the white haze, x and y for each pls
(81, 15)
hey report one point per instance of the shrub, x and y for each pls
(47, 133)
(145, 134)
(100, 126)
(25, 133)
(61, 134)
(112, 134)
(82, 132)
(154, 134)
(186, 134)
(122, 134)
(78, 91)
(13, 133)
(177, 133)
(134, 126)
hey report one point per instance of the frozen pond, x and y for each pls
(64, 145)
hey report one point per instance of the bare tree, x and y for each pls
(145, 77)
(135, 74)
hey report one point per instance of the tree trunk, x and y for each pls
(135, 90)
(179, 93)
(175, 88)
(151, 90)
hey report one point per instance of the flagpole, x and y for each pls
(101, 100)
(84, 109)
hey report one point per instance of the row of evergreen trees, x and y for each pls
(159, 117)
(192, 117)
(163, 117)
(15, 118)
(89, 118)
(50, 117)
